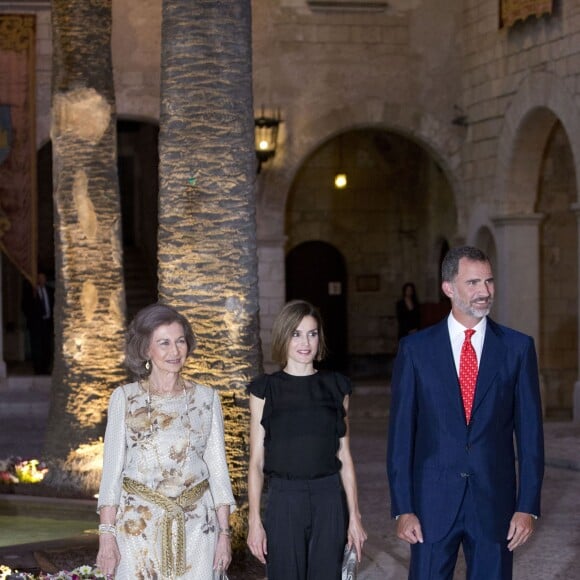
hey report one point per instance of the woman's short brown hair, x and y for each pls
(287, 321)
(141, 329)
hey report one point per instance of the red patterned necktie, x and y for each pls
(468, 373)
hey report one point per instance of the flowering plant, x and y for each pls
(30, 471)
(16, 470)
(7, 478)
(6, 572)
(85, 572)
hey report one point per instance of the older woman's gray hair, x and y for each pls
(141, 330)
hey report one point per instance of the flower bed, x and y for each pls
(81, 573)
(16, 470)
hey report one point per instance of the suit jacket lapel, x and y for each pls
(442, 355)
(491, 359)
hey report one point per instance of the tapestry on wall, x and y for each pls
(513, 10)
(17, 142)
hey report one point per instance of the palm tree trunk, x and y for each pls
(207, 232)
(90, 299)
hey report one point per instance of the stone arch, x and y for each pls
(441, 140)
(541, 99)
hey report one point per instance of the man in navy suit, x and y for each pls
(451, 458)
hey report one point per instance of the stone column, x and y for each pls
(272, 288)
(518, 272)
(576, 395)
(518, 276)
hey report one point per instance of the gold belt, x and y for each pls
(174, 509)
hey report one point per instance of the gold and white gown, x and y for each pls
(174, 445)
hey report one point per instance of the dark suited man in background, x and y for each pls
(461, 390)
(37, 305)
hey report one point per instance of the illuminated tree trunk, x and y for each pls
(90, 298)
(207, 233)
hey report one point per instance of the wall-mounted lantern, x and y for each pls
(266, 134)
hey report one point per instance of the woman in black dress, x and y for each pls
(299, 440)
(408, 313)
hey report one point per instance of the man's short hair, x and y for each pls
(450, 264)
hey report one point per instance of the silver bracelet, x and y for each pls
(107, 529)
(225, 531)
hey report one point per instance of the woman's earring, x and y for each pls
(147, 365)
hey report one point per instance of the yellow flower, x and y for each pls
(28, 472)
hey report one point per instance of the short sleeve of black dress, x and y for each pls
(343, 387)
(343, 384)
(258, 386)
(303, 420)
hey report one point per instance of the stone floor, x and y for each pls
(553, 553)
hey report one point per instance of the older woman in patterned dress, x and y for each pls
(165, 495)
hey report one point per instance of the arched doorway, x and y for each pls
(316, 271)
(396, 208)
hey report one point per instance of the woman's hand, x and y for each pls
(223, 552)
(356, 535)
(108, 557)
(257, 541)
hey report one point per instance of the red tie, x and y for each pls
(468, 373)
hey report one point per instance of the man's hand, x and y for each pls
(409, 529)
(521, 528)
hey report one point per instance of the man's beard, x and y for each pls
(470, 310)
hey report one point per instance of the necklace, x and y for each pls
(182, 383)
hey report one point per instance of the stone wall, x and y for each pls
(520, 162)
(136, 46)
(479, 102)
(332, 72)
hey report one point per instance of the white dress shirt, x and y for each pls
(457, 336)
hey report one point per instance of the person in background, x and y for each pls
(299, 440)
(165, 495)
(465, 393)
(37, 306)
(408, 311)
